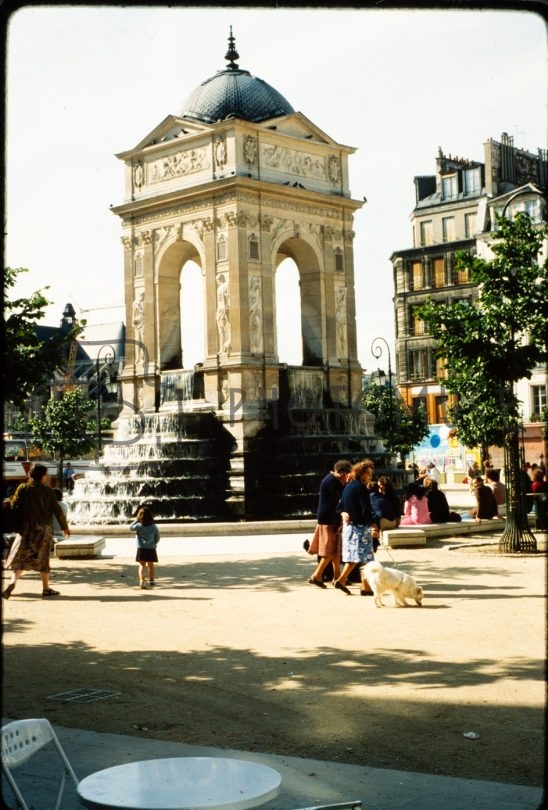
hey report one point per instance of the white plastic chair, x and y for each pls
(21, 739)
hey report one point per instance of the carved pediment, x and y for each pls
(171, 128)
(298, 125)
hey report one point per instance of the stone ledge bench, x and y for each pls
(418, 534)
(80, 546)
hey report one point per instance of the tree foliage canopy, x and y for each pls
(28, 361)
(399, 428)
(62, 429)
(490, 345)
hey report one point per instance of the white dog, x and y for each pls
(383, 579)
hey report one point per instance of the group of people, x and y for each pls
(38, 512)
(353, 511)
(346, 529)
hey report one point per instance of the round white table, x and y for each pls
(180, 783)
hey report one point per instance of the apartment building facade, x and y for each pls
(456, 211)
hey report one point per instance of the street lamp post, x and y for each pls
(377, 351)
(104, 360)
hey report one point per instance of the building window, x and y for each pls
(441, 370)
(417, 326)
(538, 402)
(339, 260)
(448, 225)
(417, 275)
(532, 207)
(420, 402)
(221, 249)
(463, 275)
(441, 409)
(438, 266)
(449, 187)
(253, 247)
(418, 363)
(427, 233)
(472, 181)
(469, 225)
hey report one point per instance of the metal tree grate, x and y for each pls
(84, 695)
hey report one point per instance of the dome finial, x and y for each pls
(232, 54)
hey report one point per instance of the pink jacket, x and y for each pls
(415, 511)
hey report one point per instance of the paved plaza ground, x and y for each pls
(234, 649)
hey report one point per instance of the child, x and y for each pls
(148, 537)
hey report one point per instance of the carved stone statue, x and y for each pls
(223, 314)
(138, 323)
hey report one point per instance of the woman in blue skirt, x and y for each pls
(359, 528)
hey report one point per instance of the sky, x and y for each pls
(84, 83)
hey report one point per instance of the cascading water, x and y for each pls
(304, 437)
(176, 461)
(184, 464)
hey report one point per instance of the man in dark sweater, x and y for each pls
(486, 505)
(326, 543)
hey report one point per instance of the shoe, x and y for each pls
(314, 581)
(366, 593)
(143, 585)
(152, 583)
(340, 587)
(50, 592)
(6, 593)
(306, 545)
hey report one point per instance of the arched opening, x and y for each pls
(288, 314)
(192, 315)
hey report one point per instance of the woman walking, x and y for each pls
(359, 528)
(34, 506)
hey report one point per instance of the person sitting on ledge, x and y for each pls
(415, 508)
(438, 505)
(486, 507)
(499, 490)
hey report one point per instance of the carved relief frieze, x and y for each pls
(280, 225)
(250, 150)
(180, 211)
(139, 175)
(178, 164)
(265, 221)
(219, 153)
(334, 169)
(314, 230)
(292, 161)
(161, 235)
(144, 238)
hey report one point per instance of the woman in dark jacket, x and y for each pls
(359, 527)
(438, 506)
(385, 504)
(34, 505)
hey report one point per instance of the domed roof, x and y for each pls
(235, 93)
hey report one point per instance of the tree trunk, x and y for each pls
(517, 536)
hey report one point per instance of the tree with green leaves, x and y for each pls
(28, 362)
(399, 427)
(61, 430)
(489, 346)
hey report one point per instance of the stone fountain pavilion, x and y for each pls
(236, 183)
